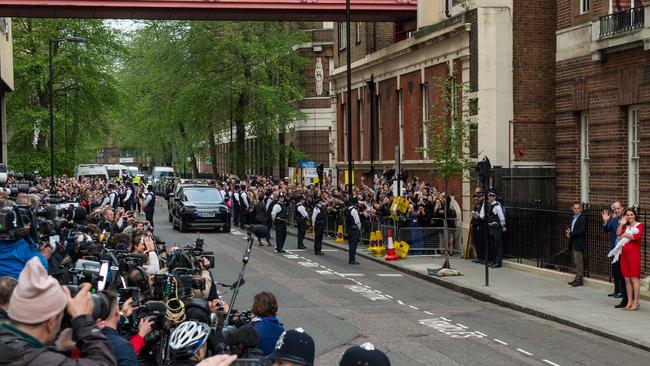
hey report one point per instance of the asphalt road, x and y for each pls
(413, 321)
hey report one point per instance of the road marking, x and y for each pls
(449, 329)
(325, 272)
(500, 341)
(369, 294)
(445, 319)
(413, 307)
(428, 312)
(400, 302)
(483, 334)
(462, 326)
(388, 296)
(329, 250)
(291, 256)
(308, 264)
(524, 352)
(389, 275)
(298, 250)
(352, 275)
(551, 363)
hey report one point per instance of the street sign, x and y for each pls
(307, 164)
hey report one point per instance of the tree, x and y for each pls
(84, 91)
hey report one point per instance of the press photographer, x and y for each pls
(36, 309)
(18, 240)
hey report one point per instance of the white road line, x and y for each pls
(329, 250)
(500, 341)
(324, 272)
(400, 302)
(445, 319)
(551, 363)
(428, 312)
(462, 326)
(483, 334)
(291, 256)
(388, 296)
(524, 352)
(413, 307)
(298, 250)
(353, 275)
(389, 275)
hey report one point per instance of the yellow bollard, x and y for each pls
(371, 244)
(339, 235)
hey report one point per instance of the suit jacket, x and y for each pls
(578, 236)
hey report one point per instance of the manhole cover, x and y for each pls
(559, 298)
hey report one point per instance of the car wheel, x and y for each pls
(226, 228)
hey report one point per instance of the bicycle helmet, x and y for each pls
(188, 338)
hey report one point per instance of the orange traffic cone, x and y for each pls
(390, 250)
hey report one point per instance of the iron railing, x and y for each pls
(622, 21)
(538, 235)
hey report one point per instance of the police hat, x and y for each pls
(353, 201)
(492, 192)
(364, 355)
(295, 346)
(236, 186)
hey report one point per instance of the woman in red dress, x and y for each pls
(631, 256)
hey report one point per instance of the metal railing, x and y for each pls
(538, 235)
(622, 21)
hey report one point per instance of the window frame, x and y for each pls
(634, 160)
(584, 157)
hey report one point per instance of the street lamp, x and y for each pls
(54, 43)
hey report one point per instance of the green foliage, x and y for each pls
(84, 92)
(182, 84)
(448, 131)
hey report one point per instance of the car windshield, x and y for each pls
(113, 172)
(202, 195)
(160, 174)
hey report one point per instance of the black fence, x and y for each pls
(538, 235)
(622, 21)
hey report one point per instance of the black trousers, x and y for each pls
(235, 214)
(619, 281)
(280, 234)
(243, 217)
(302, 228)
(353, 241)
(319, 229)
(148, 214)
(479, 243)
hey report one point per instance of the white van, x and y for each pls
(162, 171)
(117, 170)
(91, 171)
(134, 170)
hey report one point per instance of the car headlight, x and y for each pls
(188, 208)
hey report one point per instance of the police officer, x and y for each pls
(478, 240)
(294, 347)
(318, 219)
(129, 196)
(279, 216)
(496, 227)
(112, 199)
(301, 220)
(149, 205)
(353, 223)
(243, 207)
(235, 205)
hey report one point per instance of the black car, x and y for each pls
(199, 207)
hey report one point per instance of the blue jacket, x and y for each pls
(269, 330)
(14, 256)
(122, 348)
(610, 227)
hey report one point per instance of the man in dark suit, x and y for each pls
(577, 235)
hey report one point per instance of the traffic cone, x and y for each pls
(390, 250)
(372, 243)
(339, 235)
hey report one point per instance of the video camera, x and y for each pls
(196, 252)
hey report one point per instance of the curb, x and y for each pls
(489, 298)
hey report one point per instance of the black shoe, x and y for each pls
(572, 282)
(319, 253)
(476, 260)
(280, 251)
(618, 295)
(576, 283)
(302, 247)
(612, 294)
(622, 304)
(353, 262)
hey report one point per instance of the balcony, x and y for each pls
(619, 31)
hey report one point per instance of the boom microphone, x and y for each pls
(261, 231)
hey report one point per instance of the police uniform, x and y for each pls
(149, 206)
(496, 222)
(235, 206)
(318, 219)
(301, 217)
(478, 241)
(353, 223)
(280, 216)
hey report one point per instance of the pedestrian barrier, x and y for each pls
(390, 249)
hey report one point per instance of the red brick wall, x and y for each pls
(389, 123)
(534, 25)
(568, 11)
(606, 90)
(340, 135)
(412, 114)
(356, 127)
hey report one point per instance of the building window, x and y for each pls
(360, 134)
(345, 132)
(358, 32)
(425, 118)
(379, 123)
(584, 157)
(400, 113)
(633, 157)
(585, 5)
(343, 38)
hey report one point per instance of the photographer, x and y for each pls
(142, 243)
(7, 286)
(36, 310)
(267, 326)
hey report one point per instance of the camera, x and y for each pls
(132, 293)
(101, 305)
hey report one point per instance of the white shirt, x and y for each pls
(314, 214)
(276, 210)
(355, 215)
(302, 211)
(244, 199)
(148, 199)
(496, 209)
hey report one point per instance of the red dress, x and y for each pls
(631, 256)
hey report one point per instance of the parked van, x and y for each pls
(162, 171)
(91, 171)
(117, 170)
(134, 170)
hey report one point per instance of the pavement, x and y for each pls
(539, 292)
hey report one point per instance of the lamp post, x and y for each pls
(54, 43)
(348, 109)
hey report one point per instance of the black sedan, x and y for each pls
(199, 207)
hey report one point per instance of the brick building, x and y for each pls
(603, 99)
(504, 51)
(310, 136)
(6, 81)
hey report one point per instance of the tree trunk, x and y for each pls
(240, 125)
(213, 150)
(195, 166)
(282, 161)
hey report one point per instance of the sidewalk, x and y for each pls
(539, 292)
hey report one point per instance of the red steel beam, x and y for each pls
(326, 10)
